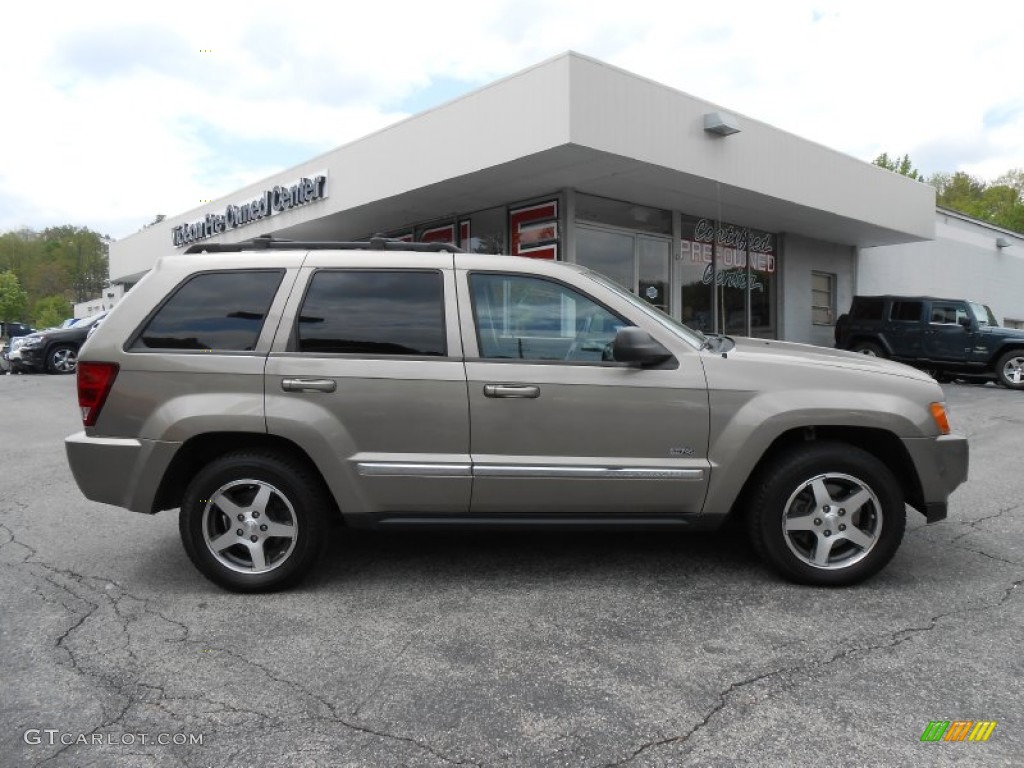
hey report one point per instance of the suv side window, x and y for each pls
(868, 309)
(221, 311)
(948, 314)
(906, 311)
(531, 318)
(369, 312)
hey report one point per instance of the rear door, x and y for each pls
(904, 328)
(366, 374)
(557, 428)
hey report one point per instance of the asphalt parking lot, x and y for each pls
(501, 650)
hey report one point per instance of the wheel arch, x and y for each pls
(862, 338)
(884, 445)
(202, 449)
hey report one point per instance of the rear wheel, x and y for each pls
(1010, 369)
(254, 522)
(868, 348)
(62, 359)
(827, 514)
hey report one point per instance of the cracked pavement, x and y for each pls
(502, 650)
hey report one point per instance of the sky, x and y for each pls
(117, 112)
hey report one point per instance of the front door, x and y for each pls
(945, 338)
(558, 428)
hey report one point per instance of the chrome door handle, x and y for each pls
(309, 385)
(511, 390)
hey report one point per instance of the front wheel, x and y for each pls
(1010, 369)
(827, 514)
(254, 522)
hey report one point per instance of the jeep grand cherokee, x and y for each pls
(267, 388)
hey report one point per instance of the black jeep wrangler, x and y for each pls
(950, 338)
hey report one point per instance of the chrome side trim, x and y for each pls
(409, 469)
(641, 473)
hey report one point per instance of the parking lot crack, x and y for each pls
(974, 524)
(330, 712)
(890, 640)
(384, 676)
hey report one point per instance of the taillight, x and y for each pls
(94, 383)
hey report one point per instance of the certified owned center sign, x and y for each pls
(275, 200)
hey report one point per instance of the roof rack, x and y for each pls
(375, 243)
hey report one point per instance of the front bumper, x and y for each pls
(124, 472)
(29, 359)
(942, 464)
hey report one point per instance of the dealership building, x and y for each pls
(725, 222)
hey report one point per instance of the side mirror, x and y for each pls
(967, 323)
(635, 346)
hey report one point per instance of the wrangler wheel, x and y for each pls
(1010, 369)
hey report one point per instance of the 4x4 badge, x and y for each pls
(684, 451)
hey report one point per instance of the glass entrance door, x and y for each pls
(639, 263)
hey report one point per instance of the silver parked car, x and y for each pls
(266, 388)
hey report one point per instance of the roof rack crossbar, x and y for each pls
(375, 243)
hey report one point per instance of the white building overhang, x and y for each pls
(575, 123)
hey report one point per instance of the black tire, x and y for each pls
(1010, 369)
(61, 359)
(811, 486)
(868, 348)
(269, 492)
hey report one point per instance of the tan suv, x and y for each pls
(266, 388)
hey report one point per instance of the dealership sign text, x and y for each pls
(271, 201)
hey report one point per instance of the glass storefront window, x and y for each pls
(601, 210)
(639, 263)
(607, 252)
(737, 263)
(487, 232)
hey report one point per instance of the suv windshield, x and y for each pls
(694, 337)
(983, 314)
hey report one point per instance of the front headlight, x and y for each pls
(31, 342)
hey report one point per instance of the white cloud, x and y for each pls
(117, 112)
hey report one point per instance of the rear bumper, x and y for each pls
(120, 471)
(942, 465)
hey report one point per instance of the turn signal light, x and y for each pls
(940, 416)
(94, 383)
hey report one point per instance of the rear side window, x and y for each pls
(906, 310)
(868, 309)
(221, 311)
(369, 312)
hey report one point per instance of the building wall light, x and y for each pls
(721, 123)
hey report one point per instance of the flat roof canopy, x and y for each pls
(600, 173)
(575, 123)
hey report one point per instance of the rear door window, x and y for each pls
(373, 312)
(213, 311)
(908, 311)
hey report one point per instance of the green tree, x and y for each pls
(51, 311)
(83, 254)
(13, 298)
(900, 165)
